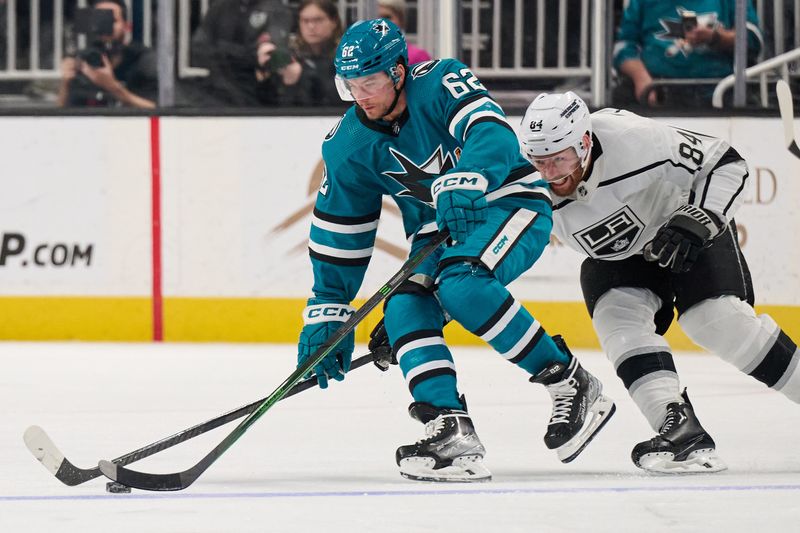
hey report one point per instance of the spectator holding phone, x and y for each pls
(686, 39)
(111, 70)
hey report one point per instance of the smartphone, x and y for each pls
(688, 21)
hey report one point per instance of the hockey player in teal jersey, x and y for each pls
(431, 137)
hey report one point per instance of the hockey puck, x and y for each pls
(117, 488)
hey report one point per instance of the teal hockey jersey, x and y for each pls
(451, 124)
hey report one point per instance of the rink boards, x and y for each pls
(195, 229)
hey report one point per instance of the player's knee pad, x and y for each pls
(414, 325)
(756, 345)
(623, 320)
(472, 296)
(729, 328)
(465, 288)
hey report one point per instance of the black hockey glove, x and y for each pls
(382, 355)
(678, 243)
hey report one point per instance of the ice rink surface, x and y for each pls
(324, 460)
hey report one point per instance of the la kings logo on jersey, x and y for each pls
(612, 236)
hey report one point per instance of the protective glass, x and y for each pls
(555, 168)
(363, 87)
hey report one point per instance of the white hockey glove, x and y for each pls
(460, 203)
(678, 243)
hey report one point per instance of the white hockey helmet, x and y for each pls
(554, 122)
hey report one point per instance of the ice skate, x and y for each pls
(579, 408)
(451, 450)
(682, 445)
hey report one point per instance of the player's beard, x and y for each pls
(379, 108)
(566, 185)
(375, 112)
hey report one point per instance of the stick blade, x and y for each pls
(786, 107)
(43, 448)
(141, 480)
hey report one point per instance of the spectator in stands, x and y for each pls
(118, 72)
(396, 11)
(231, 40)
(686, 39)
(314, 47)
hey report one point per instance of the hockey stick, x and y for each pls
(787, 116)
(43, 448)
(181, 480)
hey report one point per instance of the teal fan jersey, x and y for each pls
(652, 30)
(451, 124)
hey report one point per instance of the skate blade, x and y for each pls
(467, 469)
(704, 461)
(599, 413)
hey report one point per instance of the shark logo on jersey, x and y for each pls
(675, 30)
(611, 236)
(417, 179)
(424, 68)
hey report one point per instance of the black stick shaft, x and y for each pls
(72, 475)
(181, 480)
(221, 420)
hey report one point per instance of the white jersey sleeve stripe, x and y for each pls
(466, 110)
(343, 228)
(426, 367)
(483, 114)
(506, 238)
(523, 342)
(501, 324)
(425, 231)
(518, 189)
(340, 253)
(419, 343)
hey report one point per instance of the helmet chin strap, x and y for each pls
(394, 102)
(397, 92)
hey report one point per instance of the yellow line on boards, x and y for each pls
(48, 318)
(263, 320)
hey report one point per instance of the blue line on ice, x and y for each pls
(442, 492)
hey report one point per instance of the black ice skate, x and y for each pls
(681, 446)
(450, 451)
(579, 408)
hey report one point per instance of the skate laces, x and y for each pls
(671, 420)
(563, 395)
(434, 427)
(667, 425)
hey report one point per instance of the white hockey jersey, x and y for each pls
(641, 171)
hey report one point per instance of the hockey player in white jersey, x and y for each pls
(652, 207)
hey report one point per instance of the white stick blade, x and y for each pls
(42, 447)
(787, 111)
